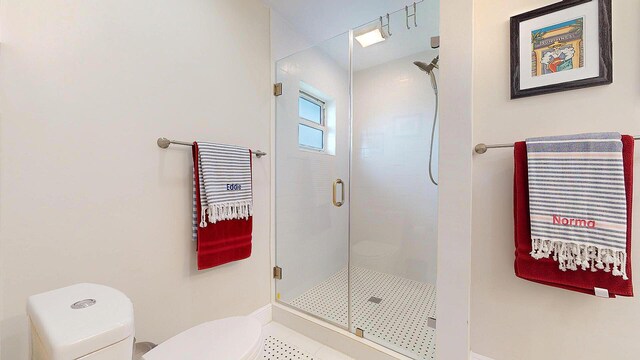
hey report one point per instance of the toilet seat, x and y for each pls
(234, 338)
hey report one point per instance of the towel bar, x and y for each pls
(164, 143)
(482, 148)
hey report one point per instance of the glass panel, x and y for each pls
(312, 244)
(310, 137)
(309, 110)
(393, 237)
(388, 223)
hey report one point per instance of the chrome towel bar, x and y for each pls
(482, 148)
(164, 143)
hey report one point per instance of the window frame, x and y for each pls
(322, 126)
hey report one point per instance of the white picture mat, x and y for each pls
(591, 39)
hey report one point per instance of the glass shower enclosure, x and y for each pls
(356, 212)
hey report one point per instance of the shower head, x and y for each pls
(428, 68)
(423, 66)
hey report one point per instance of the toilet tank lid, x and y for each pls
(79, 319)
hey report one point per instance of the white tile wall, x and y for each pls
(393, 203)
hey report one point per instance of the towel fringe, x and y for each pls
(571, 256)
(203, 216)
(240, 209)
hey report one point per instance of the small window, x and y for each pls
(312, 127)
(310, 109)
(310, 137)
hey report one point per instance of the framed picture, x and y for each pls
(560, 47)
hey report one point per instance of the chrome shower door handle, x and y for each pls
(335, 190)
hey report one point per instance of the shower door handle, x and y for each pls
(335, 190)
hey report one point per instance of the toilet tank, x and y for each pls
(82, 321)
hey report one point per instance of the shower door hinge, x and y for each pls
(277, 272)
(359, 332)
(277, 89)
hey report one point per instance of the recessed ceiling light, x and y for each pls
(371, 37)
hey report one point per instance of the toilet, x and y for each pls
(236, 338)
(95, 322)
(83, 321)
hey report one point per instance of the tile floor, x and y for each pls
(392, 311)
(282, 343)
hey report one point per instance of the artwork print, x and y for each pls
(557, 48)
(560, 47)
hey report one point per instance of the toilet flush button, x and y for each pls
(82, 304)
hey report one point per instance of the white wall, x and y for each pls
(513, 318)
(285, 38)
(311, 233)
(86, 88)
(454, 190)
(393, 202)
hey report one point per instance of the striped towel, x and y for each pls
(225, 181)
(577, 201)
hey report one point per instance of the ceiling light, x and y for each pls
(371, 37)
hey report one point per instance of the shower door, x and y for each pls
(356, 212)
(312, 177)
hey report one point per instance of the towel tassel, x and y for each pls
(572, 256)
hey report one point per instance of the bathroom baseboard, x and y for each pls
(263, 314)
(475, 356)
